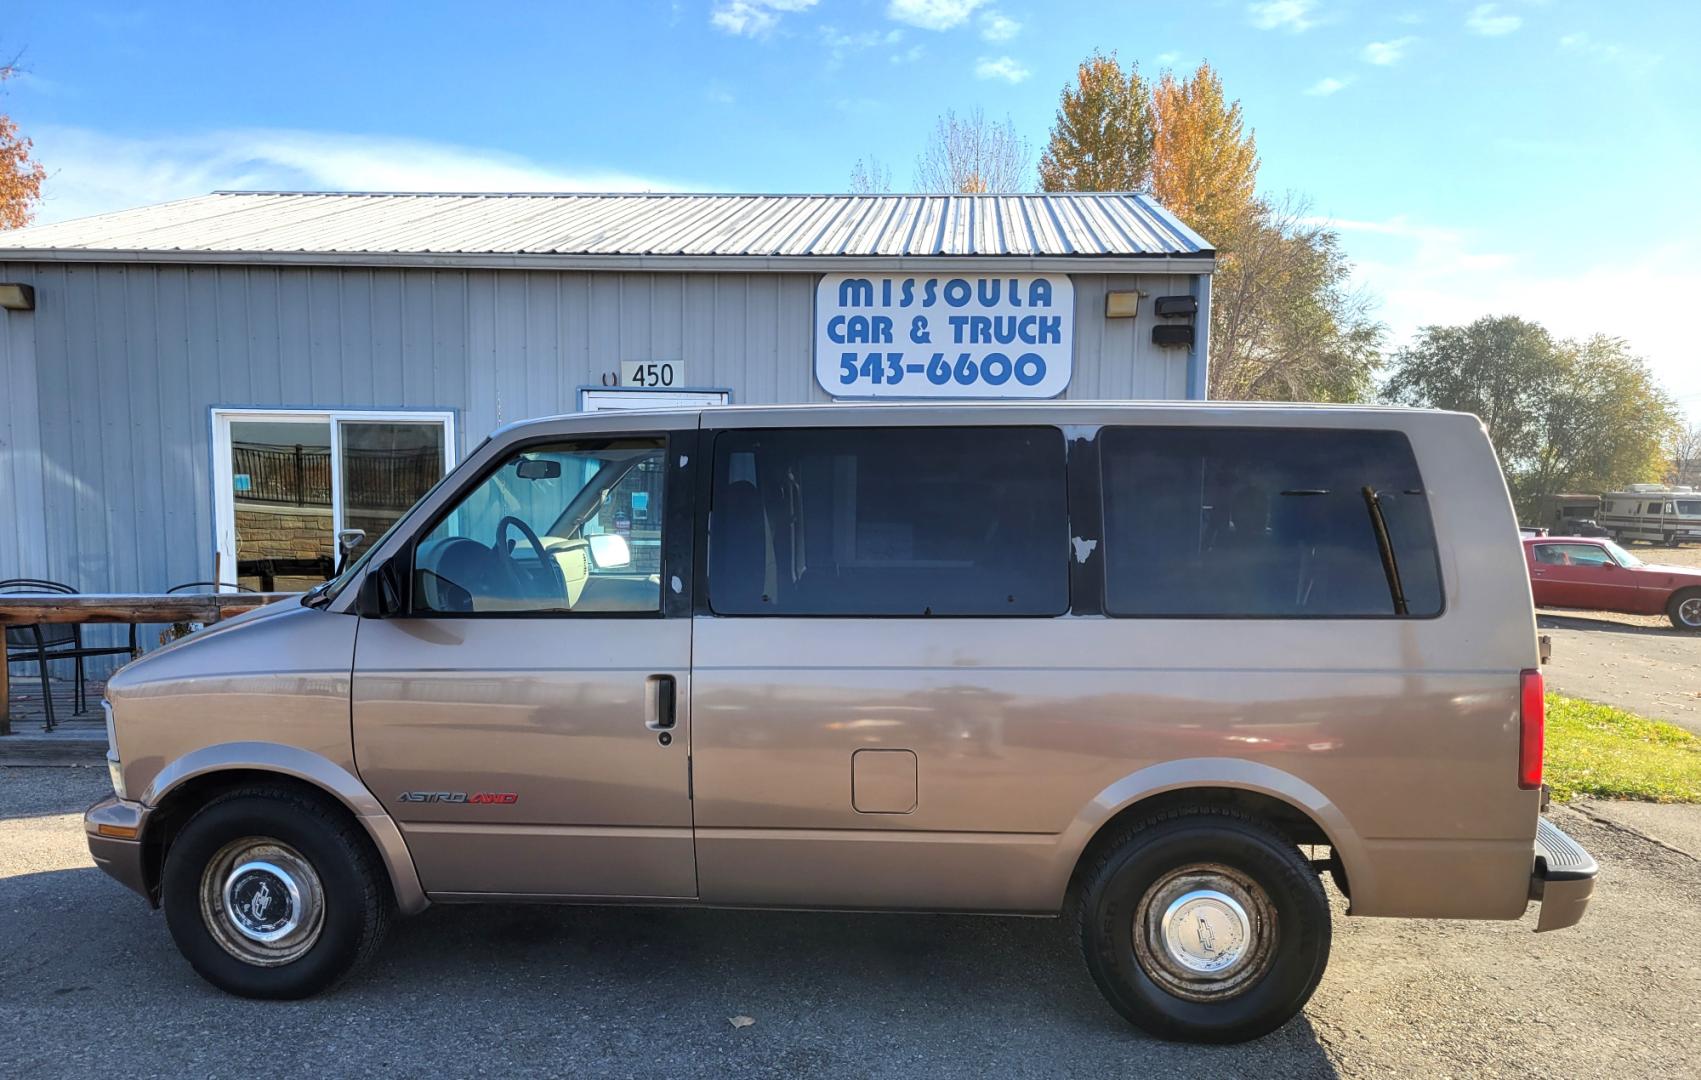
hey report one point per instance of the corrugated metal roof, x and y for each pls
(631, 230)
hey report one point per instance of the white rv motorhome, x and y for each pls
(1653, 512)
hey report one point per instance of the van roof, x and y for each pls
(1026, 409)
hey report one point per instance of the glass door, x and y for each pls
(287, 482)
(284, 534)
(384, 466)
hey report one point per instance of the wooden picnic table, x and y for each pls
(23, 609)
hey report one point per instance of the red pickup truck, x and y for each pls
(1598, 575)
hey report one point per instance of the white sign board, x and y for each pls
(945, 336)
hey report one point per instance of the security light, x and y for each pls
(1122, 305)
(17, 297)
(1176, 307)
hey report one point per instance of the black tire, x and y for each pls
(354, 908)
(1684, 602)
(1290, 936)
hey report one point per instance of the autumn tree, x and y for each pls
(1564, 415)
(20, 175)
(1204, 162)
(971, 155)
(1102, 138)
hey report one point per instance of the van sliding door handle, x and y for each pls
(660, 702)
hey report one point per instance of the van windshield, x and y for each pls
(1689, 507)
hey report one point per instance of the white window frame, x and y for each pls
(224, 498)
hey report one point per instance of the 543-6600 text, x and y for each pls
(892, 368)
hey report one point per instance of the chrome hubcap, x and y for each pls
(1690, 611)
(262, 901)
(1204, 932)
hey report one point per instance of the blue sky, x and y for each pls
(1537, 157)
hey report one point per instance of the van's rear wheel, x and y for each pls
(1204, 924)
(1684, 610)
(272, 894)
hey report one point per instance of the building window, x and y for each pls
(889, 521)
(290, 481)
(1264, 523)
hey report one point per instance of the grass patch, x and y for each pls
(1611, 754)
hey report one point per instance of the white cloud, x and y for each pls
(1290, 15)
(1609, 52)
(841, 44)
(1325, 87)
(1002, 67)
(932, 14)
(753, 18)
(1385, 53)
(908, 56)
(997, 26)
(91, 172)
(1430, 274)
(1168, 59)
(1487, 20)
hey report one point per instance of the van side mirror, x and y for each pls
(610, 551)
(380, 595)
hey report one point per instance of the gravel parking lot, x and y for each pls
(93, 985)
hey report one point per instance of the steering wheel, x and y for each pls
(548, 564)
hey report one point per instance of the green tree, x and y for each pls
(1102, 138)
(1563, 415)
(1496, 367)
(1286, 323)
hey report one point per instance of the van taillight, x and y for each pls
(1532, 722)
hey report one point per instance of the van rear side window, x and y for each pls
(1265, 523)
(889, 521)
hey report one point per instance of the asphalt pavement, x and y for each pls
(90, 985)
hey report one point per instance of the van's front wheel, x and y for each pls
(1204, 925)
(271, 894)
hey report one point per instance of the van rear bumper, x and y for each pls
(1563, 878)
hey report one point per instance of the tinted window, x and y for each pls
(1653, 508)
(1572, 555)
(1263, 522)
(889, 521)
(566, 529)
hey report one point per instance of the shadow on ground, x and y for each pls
(594, 991)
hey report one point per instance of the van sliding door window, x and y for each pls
(889, 522)
(1265, 523)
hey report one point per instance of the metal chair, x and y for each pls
(43, 643)
(182, 629)
(213, 586)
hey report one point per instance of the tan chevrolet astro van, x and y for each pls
(1155, 667)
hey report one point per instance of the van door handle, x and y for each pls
(660, 702)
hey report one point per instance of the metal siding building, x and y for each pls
(485, 308)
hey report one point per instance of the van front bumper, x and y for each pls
(114, 827)
(1563, 878)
